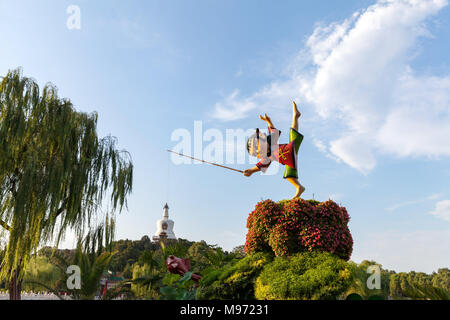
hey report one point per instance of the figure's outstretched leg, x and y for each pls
(295, 115)
(300, 189)
(291, 174)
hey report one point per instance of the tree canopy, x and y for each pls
(55, 171)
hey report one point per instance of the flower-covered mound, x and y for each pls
(297, 225)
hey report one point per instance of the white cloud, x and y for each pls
(355, 151)
(359, 81)
(275, 95)
(442, 210)
(321, 146)
(233, 108)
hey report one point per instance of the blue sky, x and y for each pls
(372, 80)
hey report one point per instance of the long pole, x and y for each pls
(214, 164)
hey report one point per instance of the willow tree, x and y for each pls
(54, 171)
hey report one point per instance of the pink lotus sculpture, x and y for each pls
(180, 266)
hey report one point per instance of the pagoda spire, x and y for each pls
(166, 211)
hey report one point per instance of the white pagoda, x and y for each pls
(164, 227)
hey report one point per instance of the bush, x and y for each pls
(362, 274)
(178, 288)
(297, 225)
(304, 276)
(234, 281)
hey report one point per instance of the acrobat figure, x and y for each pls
(266, 148)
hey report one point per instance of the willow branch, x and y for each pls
(5, 225)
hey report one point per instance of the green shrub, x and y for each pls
(234, 281)
(362, 274)
(178, 288)
(304, 276)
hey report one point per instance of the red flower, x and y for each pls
(298, 225)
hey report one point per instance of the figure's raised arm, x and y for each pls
(267, 119)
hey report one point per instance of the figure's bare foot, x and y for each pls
(300, 190)
(296, 113)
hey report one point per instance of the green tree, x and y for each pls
(54, 170)
(129, 251)
(217, 258)
(239, 251)
(198, 252)
(204, 257)
(441, 279)
(417, 286)
(175, 248)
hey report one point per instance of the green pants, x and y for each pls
(297, 137)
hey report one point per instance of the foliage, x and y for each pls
(441, 279)
(359, 285)
(40, 270)
(235, 280)
(150, 270)
(48, 252)
(217, 258)
(225, 275)
(239, 251)
(54, 170)
(205, 257)
(304, 276)
(198, 252)
(127, 272)
(146, 281)
(178, 249)
(421, 292)
(417, 286)
(147, 274)
(298, 225)
(129, 251)
(92, 256)
(178, 288)
(148, 258)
